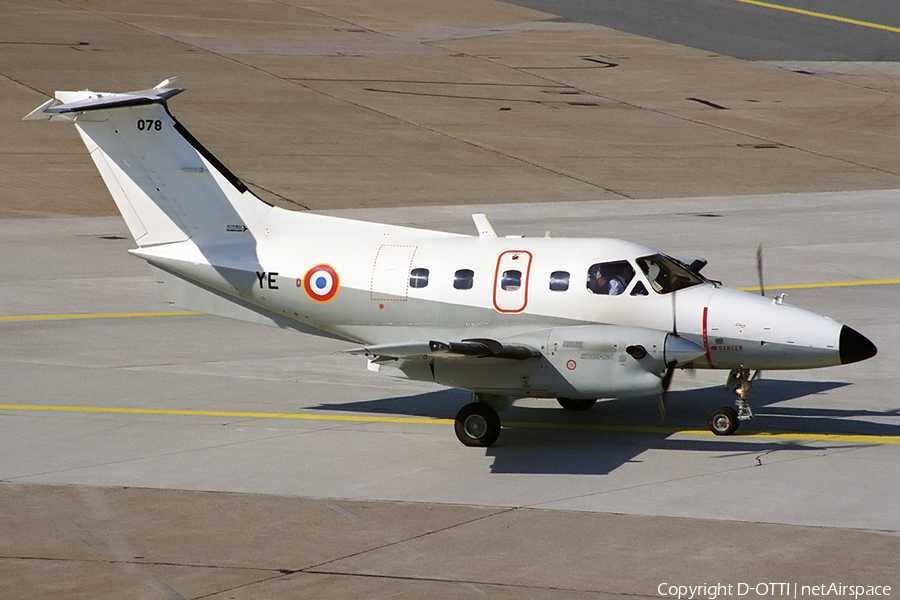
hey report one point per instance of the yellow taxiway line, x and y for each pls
(95, 316)
(802, 286)
(810, 13)
(816, 437)
(222, 413)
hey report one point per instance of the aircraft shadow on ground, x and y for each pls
(552, 442)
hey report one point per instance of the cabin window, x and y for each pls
(511, 281)
(463, 279)
(609, 278)
(418, 278)
(559, 281)
(667, 274)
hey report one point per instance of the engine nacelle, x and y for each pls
(611, 361)
(589, 361)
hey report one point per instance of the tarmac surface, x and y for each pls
(817, 30)
(154, 455)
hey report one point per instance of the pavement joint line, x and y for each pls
(818, 15)
(795, 286)
(321, 567)
(815, 437)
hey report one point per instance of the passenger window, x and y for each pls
(610, 278)
(511, 281)
(463, 279)
(418, 278)
(559, 281)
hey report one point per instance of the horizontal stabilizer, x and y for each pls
(67, 103)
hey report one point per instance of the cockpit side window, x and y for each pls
(609, 278)
(639, 289)
(667, 274)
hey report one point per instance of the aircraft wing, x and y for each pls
(474, 347)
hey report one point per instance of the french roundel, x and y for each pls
(321, 283)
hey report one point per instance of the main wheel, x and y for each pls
(576, 404)
(723, 421)
(477, 424)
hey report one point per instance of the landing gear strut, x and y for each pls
(726, 420)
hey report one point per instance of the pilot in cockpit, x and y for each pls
(609, 278)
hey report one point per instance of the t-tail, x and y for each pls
(216, 246)
(168, 187)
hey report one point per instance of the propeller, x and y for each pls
(759, 269)
(666, 382)
(762, 291)
(670, 367)
(674, 317)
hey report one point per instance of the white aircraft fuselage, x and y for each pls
(573, 319)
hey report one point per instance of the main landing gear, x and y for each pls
(726, 420)
(477, 423)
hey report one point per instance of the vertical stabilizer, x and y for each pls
(167, 186)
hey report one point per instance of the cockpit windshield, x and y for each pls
(667, 274)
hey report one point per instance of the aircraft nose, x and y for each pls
(854, 346)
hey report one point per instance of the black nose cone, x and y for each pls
(855, 346)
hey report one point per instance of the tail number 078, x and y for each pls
(149, 125)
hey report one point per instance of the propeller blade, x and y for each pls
(667, 378)
(674, 317)
(666, 382)
(759, 269)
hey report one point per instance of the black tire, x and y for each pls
(723, 421)
(576, 404)
(477, 425)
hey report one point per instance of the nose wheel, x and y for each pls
(726, 420)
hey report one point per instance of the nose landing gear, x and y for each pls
(726, 420)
